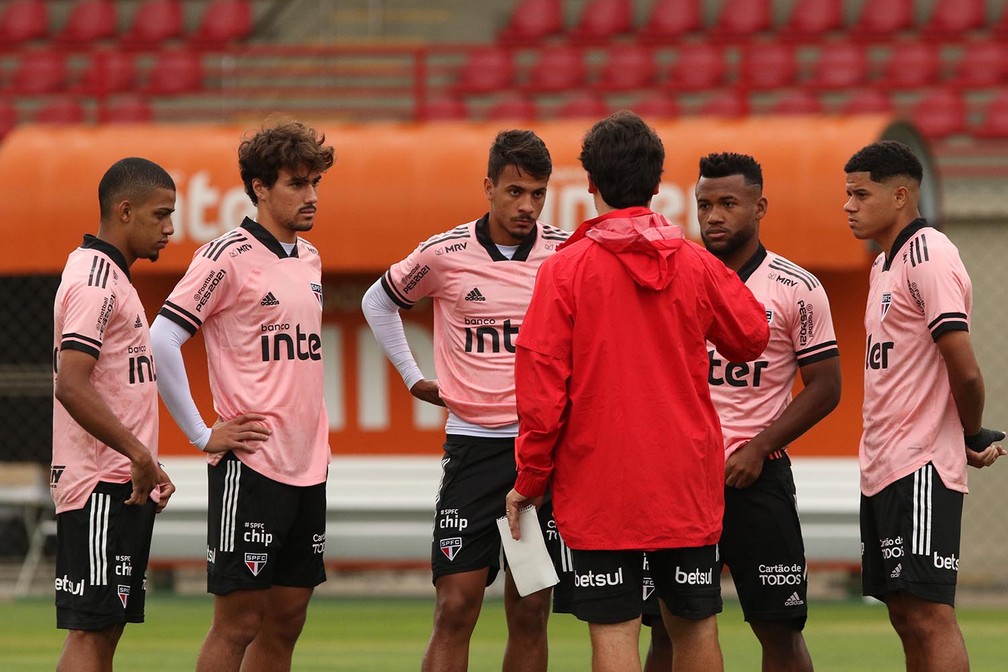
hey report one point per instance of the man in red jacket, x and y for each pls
(615, 411)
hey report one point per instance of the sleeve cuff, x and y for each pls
(530, 485)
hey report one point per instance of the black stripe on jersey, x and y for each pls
(440, 239)
(81, 347)
(393, 293)
(796, 272)
(945, 327)
(947, 316)
(817, 353)
(216, 248)
(81, 337)
(918, 250)
(181, 317)
(99, 272)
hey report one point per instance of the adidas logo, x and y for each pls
(138, 324)
(896, 572)
(793, 601)
(269, 300)
(475, 295)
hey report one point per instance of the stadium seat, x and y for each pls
(487, 69)
(223, 22)
(812, 18)
(657, 106)
(798, 102)
(671, 19)
(769, 65)
(176, 71)
(950, 18)
(109, 71)
(24, 20)
(126, 110)
(8, 117)
(583, 105)
(154, 22)
(725, 104)
(696, 67)
(558, 68)
(911, 65)
(603, 19)
(994, 123)
(442, 108)
(981, 63)
(512, 108)
(867, 101)
(939, 114)
(1000, 26)
(60, 110)
(89, 21)
(39, 72)
(743, 18)
(627, 67)
(883, 18)
(533, 20)
(840, 65)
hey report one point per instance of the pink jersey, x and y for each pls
(97, 311)
(750, 396)
(480, 298)
(910, 417)
(261, 313)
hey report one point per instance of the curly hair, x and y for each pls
(624, 157)
(281, 144)
(885, 160)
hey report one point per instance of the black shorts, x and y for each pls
(477, 473)
(262, 533)
(910, 538)
(101, 560)
(609, 586)
(563, 562)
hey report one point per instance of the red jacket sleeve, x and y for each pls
(738, 328)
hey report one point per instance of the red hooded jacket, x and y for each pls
(611, 374)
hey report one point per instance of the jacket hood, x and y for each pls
(644, 242)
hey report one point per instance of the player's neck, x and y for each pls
(887, 238)
(737, 259)
(111, 237)
(281, 233)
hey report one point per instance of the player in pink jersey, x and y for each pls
(480, 276)
(761, 541)
(257, 293)
(106, 481)
(923, 405)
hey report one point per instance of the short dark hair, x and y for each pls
(523, 149)
(281, 143)
(884, 160)
(726, 164)
(133, 178)
(624, 157)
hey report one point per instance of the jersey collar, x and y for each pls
(750, 266)
(483, 236)
(108, 249)
(906, 234)
(266, 238)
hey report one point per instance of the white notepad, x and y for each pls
(528, 560)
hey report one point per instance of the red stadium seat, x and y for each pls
(627, 67)
(1000, 26)
(8, 118)
(883, 18)
(939, 114)
(603, 19)
(995, 118)
(127, 110)
(39, 72)
(953, 17)
(442, 108)
(559, 68)
(512, 108)
(983, 63)
(154, 22)
(769, 65)
(177, 71)
(110, 71)
(696, 67)
(24, 20)
(223, 22)
(588, 105)
(670, 19)
(88, 21)
(61, 110)
(743, 18)
(868, 101)
(657, 106)
(911, 65)
(841, 65)
(798, 102)
(487, 69)
(725, 104)
(812, 18)
(533, 20)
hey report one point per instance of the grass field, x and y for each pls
(382, 635)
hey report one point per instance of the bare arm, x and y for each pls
(966, 382)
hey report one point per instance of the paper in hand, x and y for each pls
(528, 560)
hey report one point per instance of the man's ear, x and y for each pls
(123, 211)
(592, 189)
